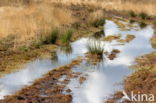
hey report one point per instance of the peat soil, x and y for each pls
(49, 88)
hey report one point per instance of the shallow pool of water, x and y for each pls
(102, 78)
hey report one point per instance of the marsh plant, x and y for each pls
(99, 34)
(66, 37)
(144, 15)
(142, 25)
(51, 39)
(99, 22)
(95, 47)
(132, 14)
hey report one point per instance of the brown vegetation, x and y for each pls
(29, 24)
(153, 41)
(47, 89)
(138, 6)
(142, 81)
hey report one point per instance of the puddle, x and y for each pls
(102, 78)
(107, 76)
(13, 82)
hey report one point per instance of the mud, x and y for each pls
(47, 89)
(142, 81)
(93, 58)
(10, 61)
(111, 38)
(128, 38)
(113, 54)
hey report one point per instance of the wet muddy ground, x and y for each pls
(47, 89)
(92, 80)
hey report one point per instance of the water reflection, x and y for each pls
(103, 78)
(67, 49)
(13, 82)
(54, 57)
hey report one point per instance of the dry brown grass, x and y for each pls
(138, 6)
(29, 23)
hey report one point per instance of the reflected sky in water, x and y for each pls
(13, 82)
(104, 78)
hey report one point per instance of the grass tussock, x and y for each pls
(66, 37)
(132, 14)
(52, 38)
(144, 16)
(95, 47)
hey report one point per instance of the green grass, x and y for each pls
(66, 37)
(95, 47)
(132, 14)
(144, 16)
(51, 39)
(142, 24)
(99, 22)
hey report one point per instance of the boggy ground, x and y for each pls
(82, 26)
(49, 88)
(46, 90)
(13, 59)
(143, 81)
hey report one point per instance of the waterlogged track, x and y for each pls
(103, 78)
(90, 83)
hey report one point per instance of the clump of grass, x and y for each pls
(142, 24)
(143, 16)
(24, 48)
(99, 34)
(66, 37)
(132, 14)
(132, 21)
(95, 47)
(51, 39)
(99, 22)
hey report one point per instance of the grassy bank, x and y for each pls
(142, 81)
(29, 31)
(139, 6)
